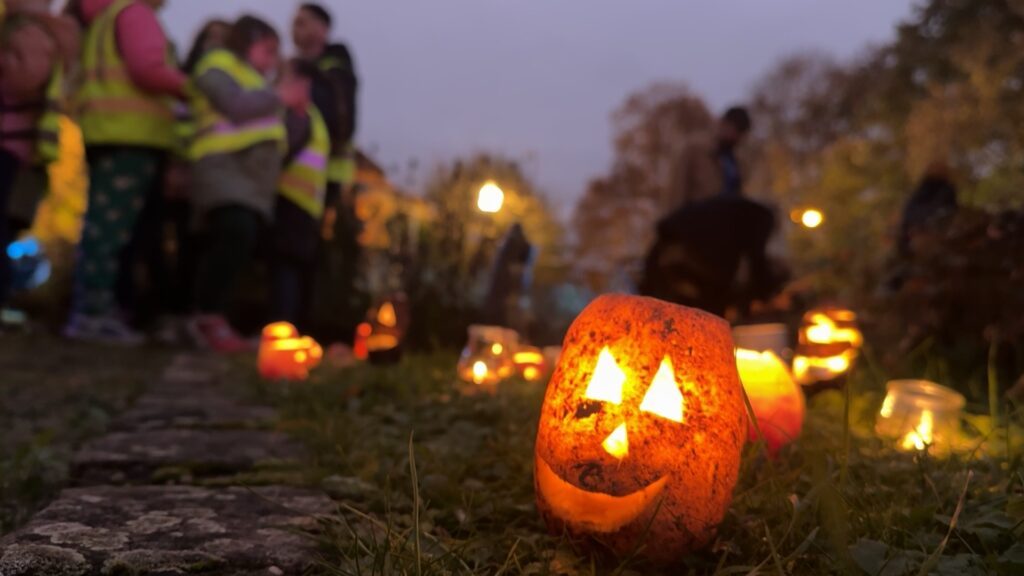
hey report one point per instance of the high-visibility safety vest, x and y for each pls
(341, 168)
(48, 137)
(216, 134)
(304, 180)
(111, 108)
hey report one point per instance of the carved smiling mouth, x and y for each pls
(595, 511)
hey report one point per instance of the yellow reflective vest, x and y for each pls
(111, 108)
(48, 137)
(304, 180)
(215, 134)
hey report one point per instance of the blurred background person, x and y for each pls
(335, 96)
(237, 153)
(157, 279)
(712, 255)
(126, 116)
(36, 48)
(707, 165)
(934, 197)
(301, 196)
(509, 280)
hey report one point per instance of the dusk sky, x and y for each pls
(538, 79)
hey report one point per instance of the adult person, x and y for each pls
(707, 165)
(334, 94)
(36, 48)
(334, 91)
(125, 113)
(701, 249)
(934, 197)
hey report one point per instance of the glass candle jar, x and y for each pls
(488, 357)
(919, 414)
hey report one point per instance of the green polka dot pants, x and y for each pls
(119, 180)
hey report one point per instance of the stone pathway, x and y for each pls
(179, 486)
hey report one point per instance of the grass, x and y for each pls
(440, 482)
(54, 395)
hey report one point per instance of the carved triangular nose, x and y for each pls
(617, 443)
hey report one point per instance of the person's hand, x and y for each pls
(291, 94)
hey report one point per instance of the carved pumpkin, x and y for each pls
(829, 345)
(642, 428)
(777, 400)
(283, 355)
(388, 322)
(530, 363)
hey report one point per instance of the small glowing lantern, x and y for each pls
(920, 415)
(388, 322)
(272, 333)
(490, 199)
(530, 363)
(488, 358)
(289, 358)
(829, 345)
(777, 400)
(641, 429)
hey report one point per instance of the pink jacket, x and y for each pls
(143, 46)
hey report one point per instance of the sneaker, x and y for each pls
(213, 332)
(102, 330)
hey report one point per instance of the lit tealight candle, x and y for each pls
(920, 415)
(777, 400)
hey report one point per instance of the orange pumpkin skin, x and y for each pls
(672, 488)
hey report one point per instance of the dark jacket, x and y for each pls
(699, 251)
(935, 196)
(334, 93)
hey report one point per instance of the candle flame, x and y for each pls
(824, 331)
(479, 372)
(887, 406)
(920, 437)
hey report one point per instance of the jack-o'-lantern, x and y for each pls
(530, 363)
(388, 322)
(829, 345)
(642, 428)
(284, 355)
(291, 359)
(777, 400)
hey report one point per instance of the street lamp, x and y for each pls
(491, 198)
(809, 218)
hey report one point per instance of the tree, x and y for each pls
(615, 219)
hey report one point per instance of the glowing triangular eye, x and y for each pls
(664, 397)
(386, 315)
(606, 384)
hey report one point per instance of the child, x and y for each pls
(237, 163)
(35, 47)
(302, 189)
(125, 113)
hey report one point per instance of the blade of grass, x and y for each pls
(933, 560)
(415, 505)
